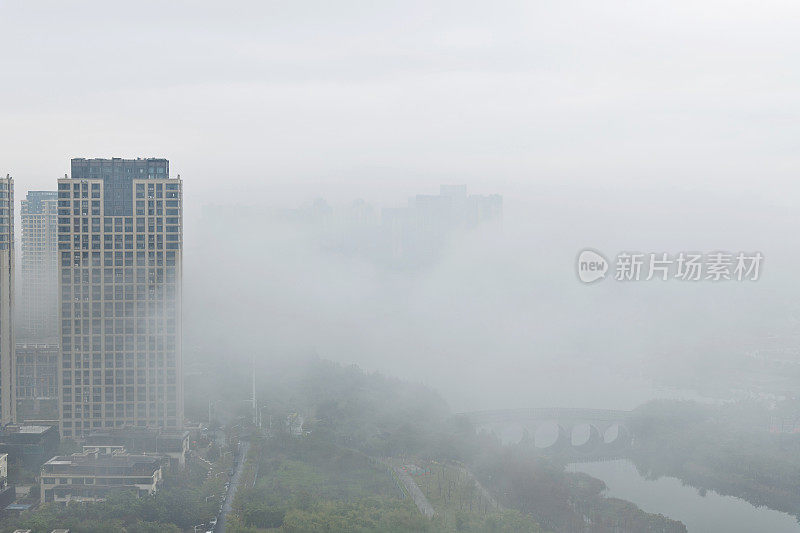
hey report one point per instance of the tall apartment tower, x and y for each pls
(120, 246)
(39, 268)
(8, 402)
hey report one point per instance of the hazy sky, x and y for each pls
(670, 126)
(383, 99)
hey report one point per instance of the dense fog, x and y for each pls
(597, 126)
(498, 317)
(379, 233)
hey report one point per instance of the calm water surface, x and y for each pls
(711, 513)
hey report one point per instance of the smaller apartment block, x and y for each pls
(93, 474)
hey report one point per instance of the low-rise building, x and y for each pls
(16, 509)
(173, 445)
(92, 475)
(31, 445)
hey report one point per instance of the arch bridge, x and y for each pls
(589, 431)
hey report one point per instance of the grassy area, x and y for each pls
(310, 484)
(459, 502)
(450, 489)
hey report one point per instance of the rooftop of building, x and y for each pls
(94, 458)
(117, 167)
(19, 507)
(138, 432)
(39, 202)
(120, 159)
(28, 430)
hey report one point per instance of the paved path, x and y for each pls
(413, 489)
(486, 494)
(226, 508)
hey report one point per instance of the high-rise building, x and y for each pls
(7, 390)
(120, 252)
(36, 369)
(38, 317)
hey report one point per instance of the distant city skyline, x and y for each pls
(410, 235)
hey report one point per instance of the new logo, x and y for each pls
(591, 266)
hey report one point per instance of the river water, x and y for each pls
(711, 513)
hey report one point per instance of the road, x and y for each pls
(237, 474)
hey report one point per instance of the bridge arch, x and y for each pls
(583, 430)
(617, 436)
(551, 436)
(586, 437)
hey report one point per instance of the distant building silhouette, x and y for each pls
(400, 237)
(7, 389)
(38, 302)
(416, 234)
